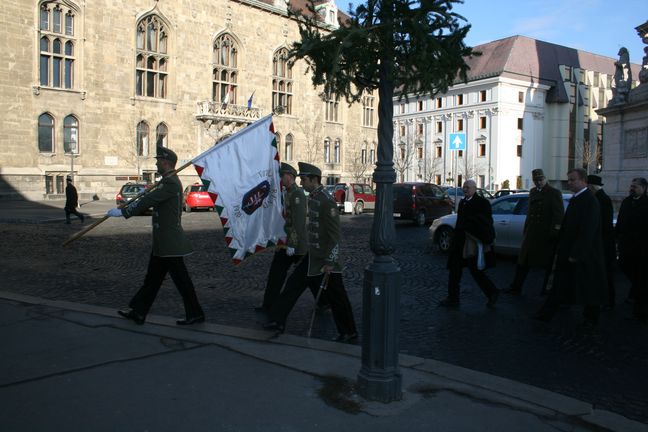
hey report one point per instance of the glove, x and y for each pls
(290, 251)
(114, 212)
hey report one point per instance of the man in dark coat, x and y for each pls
(579, 275)
(595, 185)
(541, 227)
(170, 244)
(71, 201)
(474, 226)
(632, 236)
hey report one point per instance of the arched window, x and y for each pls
(336, 151)
(71, 135)
(282, 82)
(161, 135)
(288, 150)
(372, 153)
(152, 59)
(225, 72)
(57, 43)
(142, 139)
(46, 133)
(327, 150)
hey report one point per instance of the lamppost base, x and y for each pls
(379, 378)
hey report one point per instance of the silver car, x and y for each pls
(509, 214)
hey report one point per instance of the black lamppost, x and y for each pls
(379, 377)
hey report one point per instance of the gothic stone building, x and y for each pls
(89, 88)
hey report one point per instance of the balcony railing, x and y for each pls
(220, 112)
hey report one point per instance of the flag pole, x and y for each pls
(103, 219)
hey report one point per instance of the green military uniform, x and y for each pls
(295, 214)
(168, 236)
(541, 227)
(323, 232)
(170, 245)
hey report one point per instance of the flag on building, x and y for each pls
(250, 100)
(242, 176)
(229, 95)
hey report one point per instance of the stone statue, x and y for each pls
(622, 78)
(643, 73)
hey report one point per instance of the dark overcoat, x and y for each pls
(474, 216)
(632, 232)
(71, 197)
(541, 227)
(607, 227)
(583, 281)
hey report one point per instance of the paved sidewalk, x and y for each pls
(36, 212)
(68, 366)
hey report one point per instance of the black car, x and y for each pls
(420, 202)
(129, 191)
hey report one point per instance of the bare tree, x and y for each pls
(404, 156)
(360, 166)
(433, 167)
(313, 132)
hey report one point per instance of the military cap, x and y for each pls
(306, 169)
(287, 168)
(594, 180)
(166, 154)
(537, 174)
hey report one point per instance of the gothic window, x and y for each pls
(372, 153)
(142, 139)
(225, 70)
(57, 45)
(161, 135)
(282, 82)
(46, 133)
(336, 151)
(368, 111)
(288, 150)
(332, 105)
(152, 58)
(71, 135)
(327, 150)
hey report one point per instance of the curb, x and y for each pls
(475, 384)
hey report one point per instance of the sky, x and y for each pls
(597, 26)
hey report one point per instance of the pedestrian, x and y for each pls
(579, 275)
(595, 185)
(296, 237)
(71, 201)
(541, 227)
(473, 236)
(322, 258)
(170, 245)
(632, 236)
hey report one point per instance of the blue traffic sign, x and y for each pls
(457, 141)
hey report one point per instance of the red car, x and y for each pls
(354, 197)
(196, 197)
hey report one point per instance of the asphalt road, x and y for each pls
(605, 367)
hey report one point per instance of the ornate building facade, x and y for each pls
(90, 88)
(527, 104)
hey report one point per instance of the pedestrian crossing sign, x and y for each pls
(457, 141)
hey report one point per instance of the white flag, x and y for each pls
(242, 176)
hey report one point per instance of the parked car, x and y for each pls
(129, 191)
(354, 197)
(420, 202)
(197, 197)
(459, 194)
(504, 192)
(509, 215)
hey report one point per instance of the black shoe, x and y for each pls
(82, 219)
(345, 337)
(274, 325)
(513, 290)
(132, 315)
(193, 320)
(492, 300)
(260, 309)
(449, 303)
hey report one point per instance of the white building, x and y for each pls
(527, 104)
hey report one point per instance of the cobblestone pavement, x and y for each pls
(606, 367)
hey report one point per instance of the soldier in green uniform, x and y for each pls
(544, 216)
(296, 237)
(322, 258)
(170, 245)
